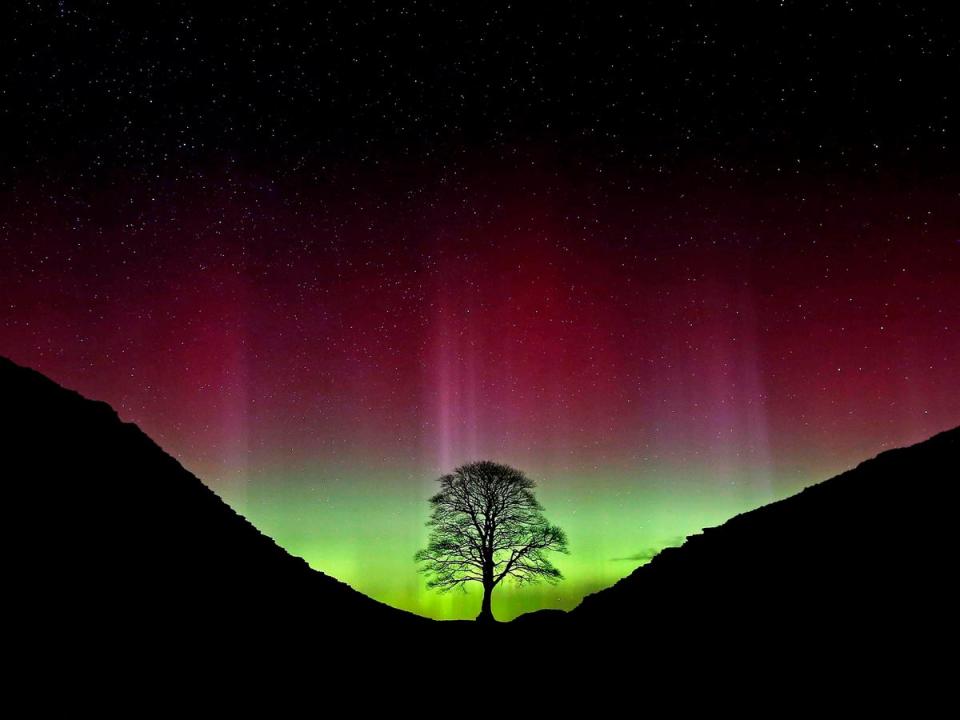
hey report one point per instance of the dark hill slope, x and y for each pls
(111, 538)
(870, 551)
(115, 536)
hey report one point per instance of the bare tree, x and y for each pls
(487, 526)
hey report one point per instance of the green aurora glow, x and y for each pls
(363, 529)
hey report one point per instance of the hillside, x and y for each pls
(114, 534)
(113, 539)
(865, 553)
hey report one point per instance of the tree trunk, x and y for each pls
(486, 614)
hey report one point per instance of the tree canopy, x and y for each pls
(487, 526)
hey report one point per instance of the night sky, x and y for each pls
(674, 261)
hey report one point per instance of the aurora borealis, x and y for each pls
(321, 263)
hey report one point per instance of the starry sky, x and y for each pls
(673, 260)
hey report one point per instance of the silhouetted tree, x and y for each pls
(487, 526)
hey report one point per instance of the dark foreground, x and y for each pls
(116, 547)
